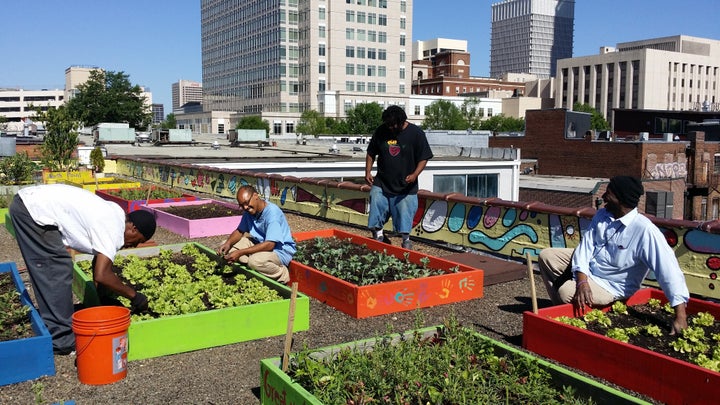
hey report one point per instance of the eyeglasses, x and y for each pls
(245, 205)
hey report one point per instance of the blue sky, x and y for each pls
(157, 42)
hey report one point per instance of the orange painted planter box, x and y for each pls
(386, 298)
(664, 378)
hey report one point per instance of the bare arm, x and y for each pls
(104, 275)
(412, 177)
(369, 160)
(266, 246)
(234, 237)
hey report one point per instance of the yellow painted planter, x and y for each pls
(103, 183)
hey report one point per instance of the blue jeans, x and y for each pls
(383, 206)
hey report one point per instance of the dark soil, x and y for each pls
(642, 315)
(14, 321)
(202, 211)
(373, 266)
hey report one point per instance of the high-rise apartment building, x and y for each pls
(529, 36)
(186, 91)
(279, 59)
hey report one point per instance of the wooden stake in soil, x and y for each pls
(533, 296)
(288, 334)
(147, 199)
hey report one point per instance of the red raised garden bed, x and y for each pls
(385, 298)
(664, 378)
(133, 205)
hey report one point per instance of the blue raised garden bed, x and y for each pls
(29, 358)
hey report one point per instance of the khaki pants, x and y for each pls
(554, 264)
(266, 263)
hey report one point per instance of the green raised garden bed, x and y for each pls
(200, 330)
(277, 387)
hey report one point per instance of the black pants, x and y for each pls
(50, 267)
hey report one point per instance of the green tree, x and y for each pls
(443, 114)
(502, 123)
(311, 123)
(61, 138)
(337, 126)
(470, 110)
(364, 118)
(253, 122)
(170, 122)
(97, 160)
(17, 169)
(597, 121)
(110, 97)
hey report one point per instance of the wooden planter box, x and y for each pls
(184, 333)
(194, 228)
(8, 223)
(664, 378)
(132, 205)
(29, 358)
(277, 387)
(49, 177)
(103, 183)
(385, 298)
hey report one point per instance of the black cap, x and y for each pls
(144, 221)
(627, 189)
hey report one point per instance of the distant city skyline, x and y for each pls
(157, 43)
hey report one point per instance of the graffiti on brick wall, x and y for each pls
(668, 170)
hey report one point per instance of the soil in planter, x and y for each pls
(640, 316)
(14, 316)
(184, 282)
(201, 211)
(356, 263)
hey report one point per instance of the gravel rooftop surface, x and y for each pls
(231, 374)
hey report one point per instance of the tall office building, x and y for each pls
(279, 59)
(529, 36)
(186, 91)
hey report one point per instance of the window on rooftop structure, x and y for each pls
(470, 185)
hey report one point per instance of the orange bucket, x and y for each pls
(101, 343)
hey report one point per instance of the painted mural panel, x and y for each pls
(484, 226)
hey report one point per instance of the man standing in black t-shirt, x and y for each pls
(402, 151)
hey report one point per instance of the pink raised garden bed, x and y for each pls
(664, 378)
(194, 228)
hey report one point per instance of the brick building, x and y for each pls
(680, 177)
